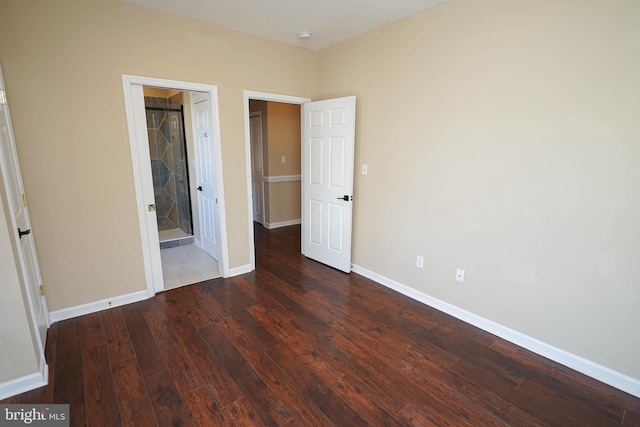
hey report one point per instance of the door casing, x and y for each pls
(140, 157)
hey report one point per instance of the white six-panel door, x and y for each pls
(327, 189)
(10, 168)
(206, 176)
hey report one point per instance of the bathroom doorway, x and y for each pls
(174, 132)
(173, 140)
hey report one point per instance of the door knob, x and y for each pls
(345, 198)
(23, 233)
(199, 188)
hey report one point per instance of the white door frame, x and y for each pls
(260, 96)
(143, 181)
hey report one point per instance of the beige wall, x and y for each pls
(63, 63)
(159, 92)
(283, 126)
(502, 137)
(17, 352)
(284, 202)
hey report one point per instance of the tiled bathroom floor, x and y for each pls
(185, 265)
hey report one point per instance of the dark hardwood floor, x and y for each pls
(295, 343)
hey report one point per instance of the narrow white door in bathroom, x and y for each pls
(205, 173)
(21, 223)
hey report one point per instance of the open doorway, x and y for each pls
(175, 145)
(173, 130)
(273, 163)
(327, 166)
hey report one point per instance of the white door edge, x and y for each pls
(260, 96)
(259, 115)
(140, 158)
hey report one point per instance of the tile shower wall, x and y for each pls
(168, 164)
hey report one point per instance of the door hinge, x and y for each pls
(41, 289)
(24, 200)
(3, 97)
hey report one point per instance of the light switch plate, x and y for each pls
(365, 169)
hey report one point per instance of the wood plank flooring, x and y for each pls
(295, 343)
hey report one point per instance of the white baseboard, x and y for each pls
(25, 383)
(44, 370)
(273, 225)
(243, 269)
(92, 307)
(592, 369)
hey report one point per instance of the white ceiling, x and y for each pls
(329, 21)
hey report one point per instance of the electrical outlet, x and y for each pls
(419, 261)
(460, 275)
(365, 169)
